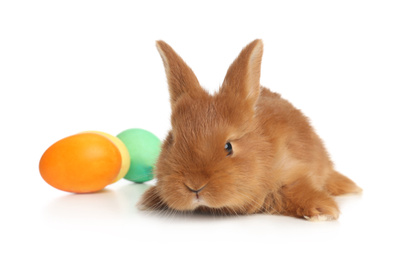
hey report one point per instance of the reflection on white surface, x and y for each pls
(104, 205)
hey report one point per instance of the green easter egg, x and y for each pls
(144, 148)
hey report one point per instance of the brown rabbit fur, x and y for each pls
(277, 163)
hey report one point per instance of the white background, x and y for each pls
(72, 66)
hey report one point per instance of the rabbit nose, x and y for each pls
(195, 191)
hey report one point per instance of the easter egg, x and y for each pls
(125, 156)
(81, 163)
(144, 148)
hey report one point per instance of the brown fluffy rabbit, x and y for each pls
(243, 150)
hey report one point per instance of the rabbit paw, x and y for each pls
(326, 213)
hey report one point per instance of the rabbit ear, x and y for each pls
(181, 79)
(242, 78)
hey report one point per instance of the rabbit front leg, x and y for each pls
(151, 200)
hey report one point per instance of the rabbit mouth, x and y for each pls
(197, 198)
(198, 201)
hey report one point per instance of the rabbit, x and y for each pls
(243, 150)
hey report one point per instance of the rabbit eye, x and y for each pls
(228, 148)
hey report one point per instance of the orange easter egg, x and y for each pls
(81, 163)
(125, 155)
